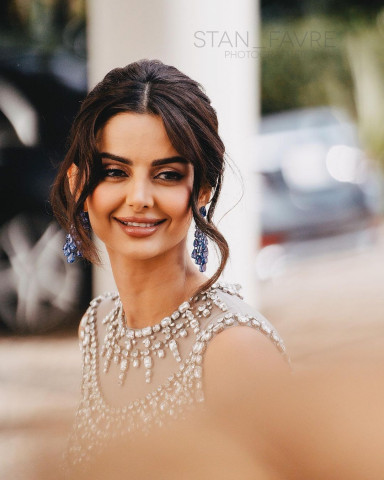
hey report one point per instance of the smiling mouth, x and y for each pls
(140, 224)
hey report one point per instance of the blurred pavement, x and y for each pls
(40, 379)
(325, 306)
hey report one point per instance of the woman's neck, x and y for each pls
(152, 289)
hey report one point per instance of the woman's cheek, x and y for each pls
(102, 199)
(184, 198)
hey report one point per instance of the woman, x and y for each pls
(145, 157)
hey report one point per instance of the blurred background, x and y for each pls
(42, 81)
(318, 156)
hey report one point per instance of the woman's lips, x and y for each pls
(139, 227)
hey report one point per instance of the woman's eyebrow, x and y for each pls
(155, 163)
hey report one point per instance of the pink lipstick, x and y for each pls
(139, 226)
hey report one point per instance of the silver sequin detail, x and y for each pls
(97, 421)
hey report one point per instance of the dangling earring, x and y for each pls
(84, 218)
(70, 248)
(200, 246)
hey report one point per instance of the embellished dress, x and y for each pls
(133, 379)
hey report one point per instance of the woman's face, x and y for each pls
(140, 208)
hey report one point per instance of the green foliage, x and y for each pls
(301, 63)
(317, 61)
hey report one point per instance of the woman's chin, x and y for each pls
(137, 255)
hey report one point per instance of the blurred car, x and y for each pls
(40, 93)
(319, 193)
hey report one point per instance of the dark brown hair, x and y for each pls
(146, 86)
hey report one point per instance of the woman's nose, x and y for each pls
(139, 194)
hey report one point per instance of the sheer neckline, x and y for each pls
(201, 312)
(186, 304)
(176, 375)
(148, 329)
(181, 389)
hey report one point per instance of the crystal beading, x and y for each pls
(97, 421)
(151, 342)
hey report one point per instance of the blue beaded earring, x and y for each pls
(200, 246)
(84, 218)
(70, 248)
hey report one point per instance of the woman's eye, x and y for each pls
(113, 172)
(172, 175)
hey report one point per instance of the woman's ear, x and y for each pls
(204, 196)
(72, 174)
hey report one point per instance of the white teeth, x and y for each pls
(135, 224)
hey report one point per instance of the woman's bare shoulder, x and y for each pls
(238, 364)
(243, 348)
(258, 333)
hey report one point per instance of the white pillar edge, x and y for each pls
(122, 31)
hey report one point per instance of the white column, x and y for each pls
(216, 44)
